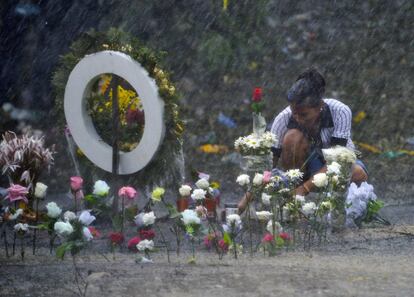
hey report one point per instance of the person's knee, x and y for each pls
(293, 137)
(358, 175)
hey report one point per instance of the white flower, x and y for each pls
(334, 168)
(189, 216)
(294, 174)
(300, 198)
(283, 191)
(233, 219)
(145, 244)
(63, 228)
(335, 179)
(40, 190)
(243, 180)
(53, 211)
(326, 205)
(202, 184)
(263, 215)
(320, 180)
(21, 227)
(309, 208)
(198, 194)
(278, 228)
(148, 218)
(69, 216)
(258, 179)
(18, 213)
(266, 198)
(185, 190)
(101, 188)
(87, 234)
(86, 218)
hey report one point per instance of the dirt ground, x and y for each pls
(372, 261)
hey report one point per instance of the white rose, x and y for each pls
(326, 205)
(309, 208)
(243, 180)
(53, 211)
(148, 218)
(189, 216)
(185, 190)
(198, 194)
(233, 219)
(334, 168)
(278, 227)
(202, 184)
(320, 180)
(87, 234)
(263, 215)
(63, 228)
(21, 227)
(86, 218)
(300, 198)
(69, 216)
(258, 179)
(145, 245)
(40, 190)
(101, 188)
(266, 198)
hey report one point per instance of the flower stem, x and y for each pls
(165, 242)
(35, 230)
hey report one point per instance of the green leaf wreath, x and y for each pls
(164, 166)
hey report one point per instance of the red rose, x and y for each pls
(147, 234)
(257, 95)
(284, 236)
(132, 244)
(116, 237)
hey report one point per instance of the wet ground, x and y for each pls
(372, 261)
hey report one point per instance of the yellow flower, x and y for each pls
(215, 185)
(157, 194)
(359, 117)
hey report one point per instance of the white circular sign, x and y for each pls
(80, 123)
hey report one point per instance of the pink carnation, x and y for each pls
(16, 193)
(128, 192)
(266, 177)
(132, 244)
(223, 245)
(76, 183)
(268, 238)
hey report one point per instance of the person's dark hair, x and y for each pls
(308, 89)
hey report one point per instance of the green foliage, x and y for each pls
(373, 207)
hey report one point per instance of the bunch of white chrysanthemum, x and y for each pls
(254, 144)
(340, 154)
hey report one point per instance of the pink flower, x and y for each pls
(76, 183)
(268, 238)
(16, 193)
(132, 244)
(128, 192)
(266, 177)
(95, 233)
(285, 236)
(223, 245)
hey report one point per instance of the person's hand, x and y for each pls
(301, 191)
